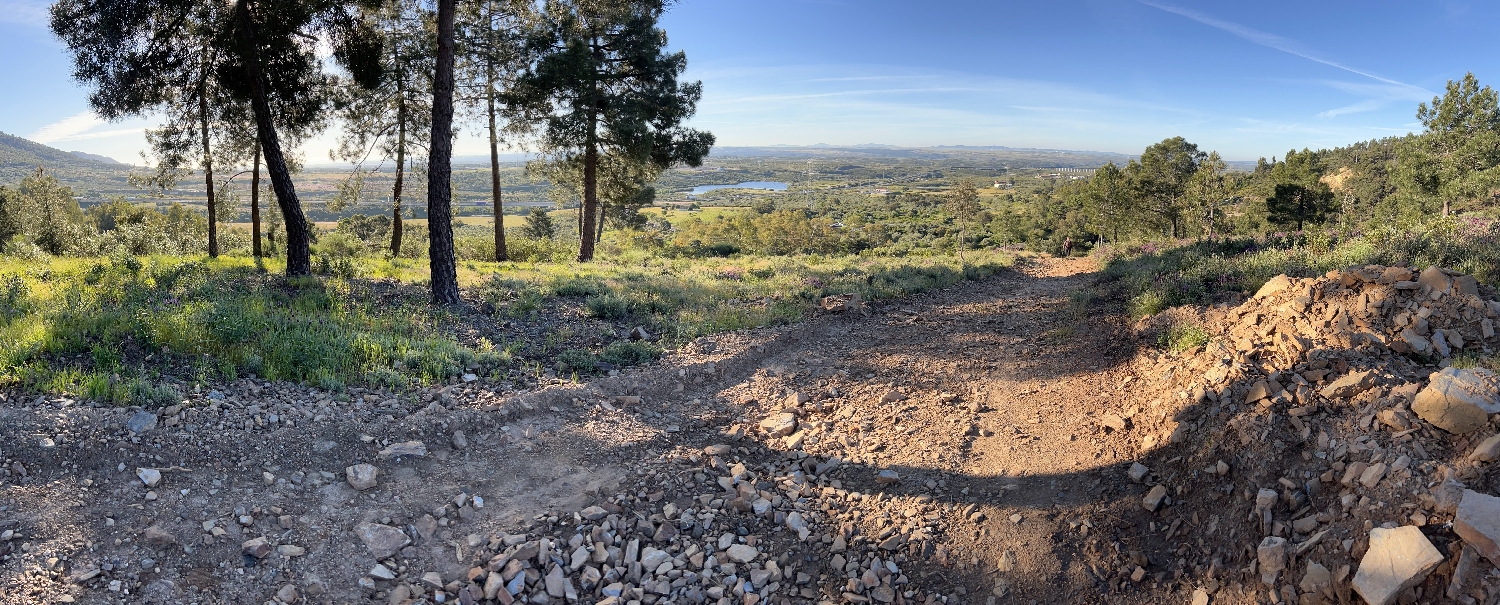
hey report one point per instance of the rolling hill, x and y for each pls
(87, 174)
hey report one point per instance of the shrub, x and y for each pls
(1184, 337)
(630, 353)
(147, 395)
(607, 306)
(579, 286)
(13, 296)
(340, 244)
(577, 360)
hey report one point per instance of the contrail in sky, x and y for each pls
(1270, 40)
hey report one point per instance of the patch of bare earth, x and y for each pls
(971, 445)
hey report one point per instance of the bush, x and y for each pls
(340, 245)
(1184, 337)
(577, 360)
(147, 395)
(578, 286)
(607, 306)
(630, 353)
(13, 297)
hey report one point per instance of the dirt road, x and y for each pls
(946, 448)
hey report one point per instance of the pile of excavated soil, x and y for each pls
(1324, 447)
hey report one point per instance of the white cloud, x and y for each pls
(79, 127)
(67, 128)
(24, 12)
(1360, 107)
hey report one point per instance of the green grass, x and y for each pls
(142, 330)
(108, 328)
(1184, 337)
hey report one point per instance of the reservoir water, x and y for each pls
(767, 185)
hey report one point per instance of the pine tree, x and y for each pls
(388, 121)
(1457, 156)
(602, 84)
(141, 55)
(444, 267)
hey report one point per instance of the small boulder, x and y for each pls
(1349, 385)
(149, 476)
(141, 422)
(1316, 578)
(1271, 553)
(1459, 400)
(1487, 450)
(382, 540)
(157, 535)
(780, 425)
(887, 477)
(843, 302)
(1396, 560)
(1154, 498)
(1435, 278)
(1478, 523)
(361, 476)
(740, 553)
(256, 547)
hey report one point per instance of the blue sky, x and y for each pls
(1247, 79)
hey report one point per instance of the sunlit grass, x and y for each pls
(110, 328)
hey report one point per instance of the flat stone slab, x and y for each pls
(1459, 400)
(1398, 559)
(1478, 523)
(382, 540)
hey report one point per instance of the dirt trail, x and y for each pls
(982, 398)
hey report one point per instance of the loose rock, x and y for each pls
(1478, 523)
(361, 476)
(1459, 400)
(1396, 560)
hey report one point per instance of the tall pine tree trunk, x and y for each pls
(255, 204)
(590, 168)
(590, 202)
(500, 253)
(396, 227)
(298, 252)
(599, 230)
(440, 167)
(208, 167)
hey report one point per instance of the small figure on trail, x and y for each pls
(1068, 246)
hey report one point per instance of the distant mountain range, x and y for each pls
(1012, 157)
(85, 172)
(98, 158)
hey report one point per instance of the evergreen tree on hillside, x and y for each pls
(1107, 200)
(440, 254)
(389, 121)
(494, 51)
(602, 84)
(1160, 182)
(141, 55)
(1457, 156)
(42, 211)
(1299, 195)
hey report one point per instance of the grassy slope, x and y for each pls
(111, 329)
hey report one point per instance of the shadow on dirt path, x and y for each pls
(957, 446)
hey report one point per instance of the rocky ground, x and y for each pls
(996, 442)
